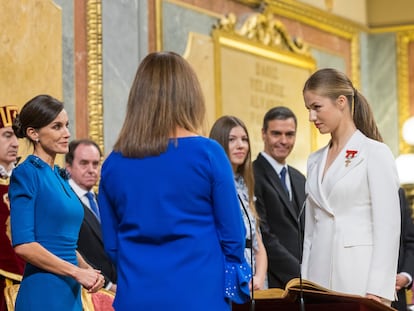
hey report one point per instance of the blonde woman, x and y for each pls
(352, 226)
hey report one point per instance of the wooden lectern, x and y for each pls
(315, 298)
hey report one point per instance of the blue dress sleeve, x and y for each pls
(230, 229)
(22, 204)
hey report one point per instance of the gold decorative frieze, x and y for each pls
(252, 3)
(319, 19)
(94, 67)
(258, 66)
(404, 39)
(324, 21)
(263, 29)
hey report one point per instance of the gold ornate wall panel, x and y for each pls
(334, 37)
(325, 25)
(340, 39)
(259, 66)
(30, 52)
(94, 64)
(405, 53)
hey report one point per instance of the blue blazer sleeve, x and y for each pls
(230, 229)
(109, 219)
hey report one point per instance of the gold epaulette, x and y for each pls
(4, 182)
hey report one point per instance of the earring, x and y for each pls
(37, 141)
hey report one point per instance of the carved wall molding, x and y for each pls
(94, 68)
(264, 29)
(325, 22)
(404, 39)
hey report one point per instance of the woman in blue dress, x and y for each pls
(46, 215)
(171, 220)
(231, 133)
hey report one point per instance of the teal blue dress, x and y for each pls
(44, 209)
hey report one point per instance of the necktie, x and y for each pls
(283, 178)
(93, 205)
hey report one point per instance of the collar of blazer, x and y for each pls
(269, 173)
(340, 167)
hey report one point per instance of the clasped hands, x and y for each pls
(91, 279)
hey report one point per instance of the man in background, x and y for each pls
(280, 195)
(83, 163)
(9, 261)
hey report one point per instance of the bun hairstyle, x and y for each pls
(36, 113)
(17, 127)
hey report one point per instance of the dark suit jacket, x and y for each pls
(406, 254)
(90, 246)
(282, 233)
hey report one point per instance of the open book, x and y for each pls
(292, 286)
(314, 294)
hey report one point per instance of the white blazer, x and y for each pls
(352, 226)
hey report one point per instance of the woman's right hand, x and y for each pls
(258, 282)
(91, 279)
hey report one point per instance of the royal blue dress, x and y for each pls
(172, 225)
(44, 209)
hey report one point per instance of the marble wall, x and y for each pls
(178, 22)
(68, 66)
(380, 85)
(125, 43)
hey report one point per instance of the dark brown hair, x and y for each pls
(220, 132)
(278, 113)
(38, 112)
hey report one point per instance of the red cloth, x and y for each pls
(9, 261)
(102, 301)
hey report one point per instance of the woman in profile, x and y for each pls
(352, 227)
(46, 215)
(171, 220)
(231, 133)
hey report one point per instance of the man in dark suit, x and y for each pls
(405, 269)
(280, 195)
(83, 164)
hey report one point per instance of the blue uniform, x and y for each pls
(172, 225)
(44, 209)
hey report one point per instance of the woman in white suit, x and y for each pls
(352, 225)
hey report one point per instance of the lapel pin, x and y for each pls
(350, 154)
